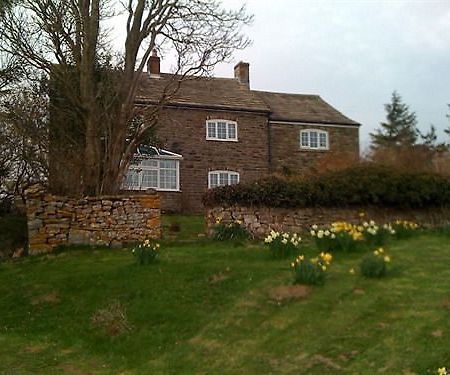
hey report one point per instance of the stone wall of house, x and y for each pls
(287, 156)
(260, 220)
(183, 131)
(98, 221)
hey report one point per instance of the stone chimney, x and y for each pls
(241, 73)
(153, 65)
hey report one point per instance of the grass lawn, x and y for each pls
(204, 308)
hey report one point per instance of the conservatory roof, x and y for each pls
(146, 151)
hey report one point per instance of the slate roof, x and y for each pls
(228, 93)
(221, 93)
(302, 108)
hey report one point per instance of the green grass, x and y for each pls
(204, 309)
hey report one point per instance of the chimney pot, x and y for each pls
(241, 73)
(153, 66)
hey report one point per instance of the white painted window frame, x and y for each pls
(218, 172)
(318, 131)
(158, 158)
(228, 123)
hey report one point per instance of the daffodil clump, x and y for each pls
(338, 236)
(233, 230)
(311, 271)
(146, 252)
(374, 234)
(375, 263)
(404, 228)
(282, 244)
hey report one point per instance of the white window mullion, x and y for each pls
(221, 130)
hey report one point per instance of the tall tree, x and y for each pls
(91, 89)
(400, 127)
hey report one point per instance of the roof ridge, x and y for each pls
(286, 93)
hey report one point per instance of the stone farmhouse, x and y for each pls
(218, 131)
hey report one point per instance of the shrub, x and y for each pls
(362, 185)
(282, 245)
(231, 231)
(146, 252)
(374, 264)
(312, 271)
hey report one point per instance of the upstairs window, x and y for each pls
(222, 178)
(221, 130)
(313, 139)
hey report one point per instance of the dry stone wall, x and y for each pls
(260, 220)
(98, 221)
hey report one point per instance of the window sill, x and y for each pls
(314, 149)
(222, 140)
(145, 189)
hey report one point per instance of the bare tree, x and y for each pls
(23, 139)
(68, 41)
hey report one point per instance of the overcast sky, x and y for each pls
(354, 54)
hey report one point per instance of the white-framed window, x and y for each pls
(222, 178)
(158, 169)
(221, 130)
(314, 139)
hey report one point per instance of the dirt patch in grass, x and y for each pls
(205, 343)
(112, 319)
(327, 362)
(70, 369)
(219, 277)
(51, 297)
(35, 349)
(286, 293)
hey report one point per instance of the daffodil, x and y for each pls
(387, 258)
(442, 371)
(352, 271)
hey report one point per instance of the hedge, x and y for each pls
(362, 185)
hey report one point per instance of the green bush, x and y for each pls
(356, 186)
(374, 264)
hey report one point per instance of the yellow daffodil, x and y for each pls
(442, 371)
(387, 258)
(352, 271)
